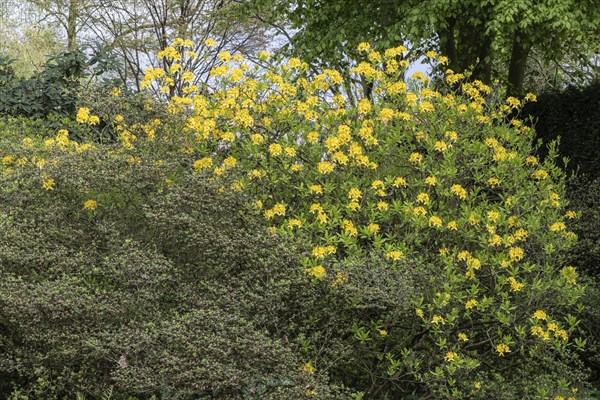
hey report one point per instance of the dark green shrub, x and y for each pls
(574, 115)
(584, 195)
(157, 288)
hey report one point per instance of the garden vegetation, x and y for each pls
(268, 238)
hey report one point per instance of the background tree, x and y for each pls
(495, 38)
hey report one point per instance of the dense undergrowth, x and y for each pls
(283, 236)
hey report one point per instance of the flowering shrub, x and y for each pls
(114, 278)
(432, 243)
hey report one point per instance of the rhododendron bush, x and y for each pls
(429, 240)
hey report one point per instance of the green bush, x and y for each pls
(574, 115)
(162, 289)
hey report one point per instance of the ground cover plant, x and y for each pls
(425, 246)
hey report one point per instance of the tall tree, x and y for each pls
(494, 37)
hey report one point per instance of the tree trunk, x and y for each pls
(448, 44)
(483, 69)
(72, 25)
(518, 61)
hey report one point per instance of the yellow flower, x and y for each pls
(558, 226)
(521, 234)
(322, 218)
(294, 223)
(419, 313)
(83, 115)
(419, 211)
(321, 251)
(515, 286)
(377, 184)
(275, 149)
(257, 138)
(382, 205)
(27, 142)
(202, 163)
(374, 56)
(316, 189)
(229, 162)
(418, 75)
(441, 146)
(308, 368)
(471, 303)
(516, 253)
(294, 62)
(340, 158)
(224, 56)
(531, 160)
(539, 314)
(493, 215)
(399, 181)
(562, 334)
(495, 240)
(435, 221)
(394, 255)
(502, 348)
(450, 356)
(317, 272)
(431, 180)
(493, 182)
(437, 320)
(353, 205)
(452, 225)
(349, 227)
(530, 97)
(569, 274)
(363, 47)
(312, 137)
(373, 228)
(364, 106)
(423, 198)
(540, 174)
(463, 337)
(386, 114)
(415, 158)
(459, 191)
(279, 209)
(90, 204)
(325, 167)
(48, 184)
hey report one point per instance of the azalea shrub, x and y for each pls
(116, 281)
(430, 243)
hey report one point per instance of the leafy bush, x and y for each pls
(584, 194)
(433, 246)
(112, 278)
(574, 115)
(52, 91)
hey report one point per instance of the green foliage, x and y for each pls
(266, 238)
(494, 37)
(574, 116)
(162, 289)
(56, 90)
(52, 91)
